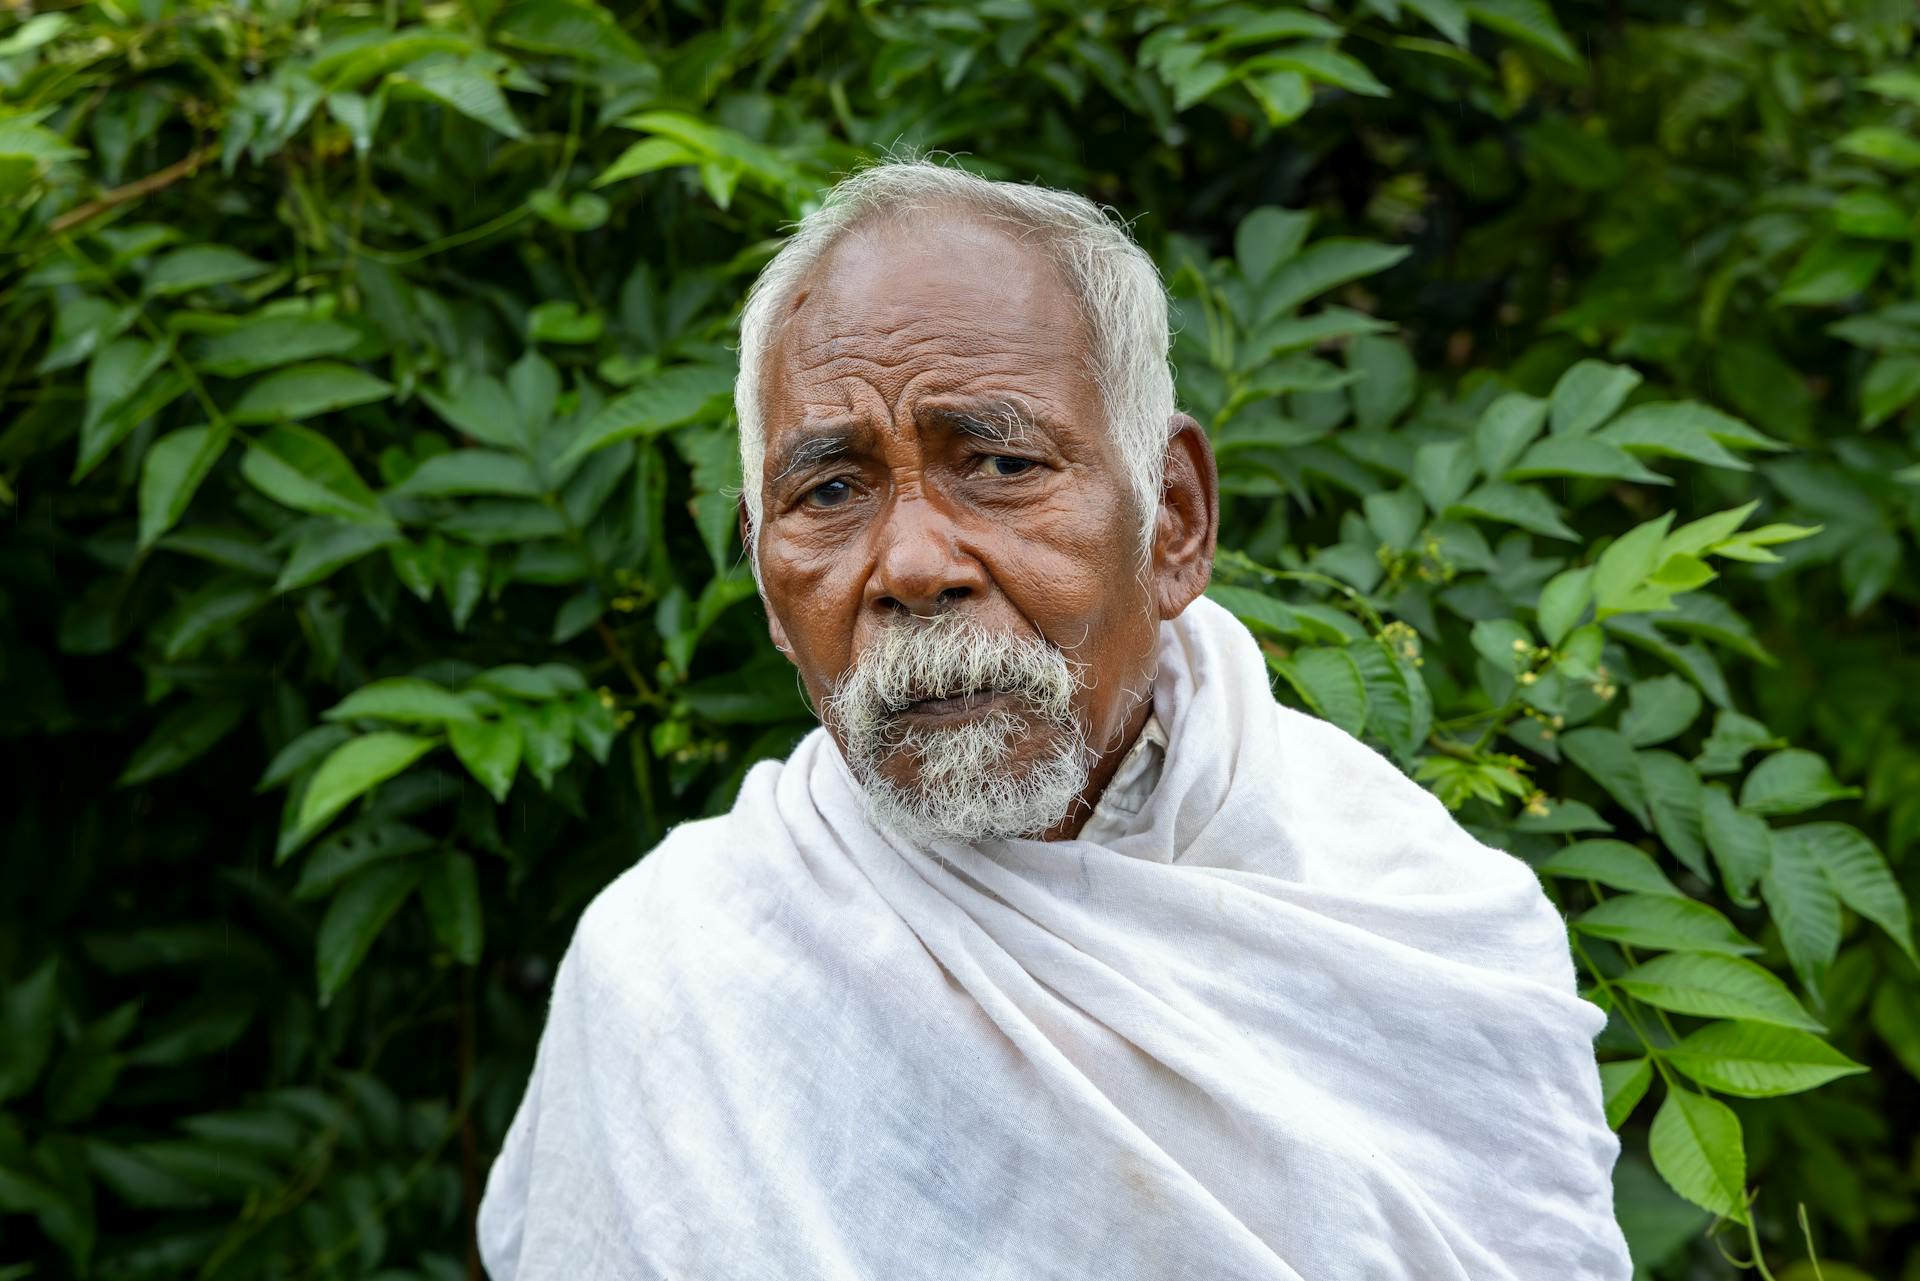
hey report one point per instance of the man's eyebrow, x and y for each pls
(810, 448)
(1005, 423)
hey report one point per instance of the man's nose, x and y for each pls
(922, 568)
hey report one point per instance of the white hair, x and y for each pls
(1114, 281)
(970, 783)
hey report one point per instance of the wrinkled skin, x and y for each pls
(903, 327)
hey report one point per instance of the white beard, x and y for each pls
(970, 785)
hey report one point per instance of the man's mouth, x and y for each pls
(953, 706)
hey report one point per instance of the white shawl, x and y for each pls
(1294, 1023)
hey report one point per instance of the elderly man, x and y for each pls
(1061, 950)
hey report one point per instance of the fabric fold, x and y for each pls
(1293, 1022)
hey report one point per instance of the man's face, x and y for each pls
(936, 449)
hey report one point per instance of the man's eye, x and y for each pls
(1006, 465)
(832, 494)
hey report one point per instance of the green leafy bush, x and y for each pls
(372, 596)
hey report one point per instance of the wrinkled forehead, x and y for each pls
(909, 290)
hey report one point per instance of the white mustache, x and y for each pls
(968, 787)
(948, 655)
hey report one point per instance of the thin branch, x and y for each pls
(185, 167)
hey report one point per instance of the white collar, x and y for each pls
(1127, 792)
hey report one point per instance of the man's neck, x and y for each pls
(1101, 774)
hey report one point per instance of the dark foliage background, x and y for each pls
(369, 594)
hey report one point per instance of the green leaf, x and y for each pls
(1321, 267)
(451, 891)
(354, 920)
(1626, 564)
(1330, 682)
(305, 390)
(300, 468)
(1858, 873)
(1711, 985)
(722, 144)
(1505, 643)
(1587, 395)
(1895, 1016)
(504, 520)
(1395, 516)
(1665, 922)
(355, 768)
(479, 406)
(79, 328)
(1733, 737)
(417, 565)
(1674, 796)
(305, 750)
(1831, 271)
(29, 1014)
(1284, 96)
(1521, 505)
(1505, 428)
(1696, 1146)
(530, 684)
(1608, 759)
(1443, 472)
(1449, 17)
(1898, 83)
(468, 88)
(1759, 1060)
(1696, 537)
(357, 846)
(1622, 1086)
(670, 399)
(1677, 429)
(1193, 82)
(1741, 843)
(491, 752)
(1399, 706)
(208, 612)
(1328, 66)
(1386, 386)
(714, 456)
(268, 342)
(319, 554)
(649, 155)
(1562, 816)
(466, 472)
(171, 473)
(120, 396)
(1258, 611)
(1790, 781)
(1804, 908)
(1658, 709)
(563, 321)
(548, 741)
(1871, 213)
(1890, 147)
(1890, 386)
(1612, 863)
(201, 267)
(1562, 603)
(1268, 237)
(583, 212)
(463, 576)
(182, 736)
(1530, 21)
(1581, 456)
(402, 698)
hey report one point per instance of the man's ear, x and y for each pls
(777, 632)
(1188, 523)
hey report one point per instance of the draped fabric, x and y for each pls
(1292, 1022)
